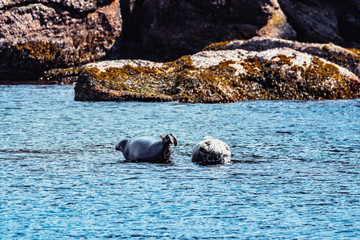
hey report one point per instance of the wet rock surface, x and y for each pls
(220, 76)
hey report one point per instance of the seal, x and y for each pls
(211, 151)
(147, 149)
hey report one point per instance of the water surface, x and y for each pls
(295, 175)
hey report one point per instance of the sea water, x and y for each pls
(295, 174)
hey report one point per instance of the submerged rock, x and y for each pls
(219, 76)
(44, 34)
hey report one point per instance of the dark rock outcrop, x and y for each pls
(165, 30)
(44, 34)
(221, 76)
(324, 21)
(38, 35)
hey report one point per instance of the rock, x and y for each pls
(44, 34)
(349, 23)
(38, 35)
(219, 76)
(313, 20)
(153, 30)
(61, 76)
(323, 21)
(170, 29)
(347, 58)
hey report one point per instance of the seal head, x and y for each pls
(121, 145)
(211, 151)
(169, 138)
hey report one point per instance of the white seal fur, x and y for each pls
(211, 151)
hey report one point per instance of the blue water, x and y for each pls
(296, 173)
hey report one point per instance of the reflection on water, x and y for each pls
(295, 174)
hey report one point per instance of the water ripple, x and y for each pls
(295, 173)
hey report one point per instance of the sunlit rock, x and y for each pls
(220, 76)
(44, 34)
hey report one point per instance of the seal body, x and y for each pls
(147, 149)
(211, 151)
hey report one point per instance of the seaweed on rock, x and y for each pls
(219, 76)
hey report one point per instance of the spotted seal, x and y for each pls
(211, 151)
(147, 149)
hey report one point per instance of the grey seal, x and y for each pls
(211, 151)
(147, 149)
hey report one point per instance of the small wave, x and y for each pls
(20, 151)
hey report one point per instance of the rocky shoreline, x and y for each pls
(185, 51)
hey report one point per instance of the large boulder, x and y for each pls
(219, 76)
(347, 58)
(37, 35)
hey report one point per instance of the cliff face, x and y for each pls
(324, 21)
(44, 34)
(229, 75)
(165, 29)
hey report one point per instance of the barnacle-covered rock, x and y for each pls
(61, 76)
(219, 76)
(348, 58)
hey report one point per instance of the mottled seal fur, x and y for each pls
(147, 149)
(211, 151)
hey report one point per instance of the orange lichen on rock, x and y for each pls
(219, 76)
